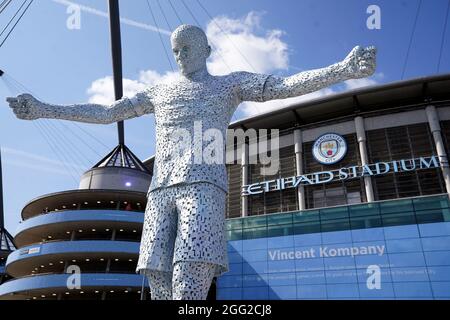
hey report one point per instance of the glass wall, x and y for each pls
(396, 249)
(337, 193)
(398, 143)
(275, 201)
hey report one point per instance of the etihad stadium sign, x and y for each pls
(346, 173)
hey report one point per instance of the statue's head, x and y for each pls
(190, 48)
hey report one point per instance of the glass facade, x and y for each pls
(398, 249)
(383, 145)
(404, 142)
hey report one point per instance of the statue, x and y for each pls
(183, 245)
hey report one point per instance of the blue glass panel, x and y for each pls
(396, 206)
(404, 245)
(413, 259)
(255, 222)
(341, 276)
(441, 289)
(311, 292)
(362, 262)
(282, 292)
(435, 229)
(336, 237)
(335, 225)
(437, 258)
(234, 246)
(254, 244)
(255, 293)
(412, 290)
(255, 267)
(280, 230)
(339, 263)
(307, 239)
(369, 209)
(409, 274)
(439, 273)
(307, 227)
(333, 213)
(401, 232)
(367, 234)
(234, 257)
(386, 291)
(254, 233)
(279, 219)
(281, 266)
(342, 291)
(306, 216)
(436, 243)
(282, 279)
(280, 242)
(256, 280)
(310, 277)
(431, 203)
(235, 269)
(232, 235)
(255, 255)
(363, 276)
(229, 293)
(229, 281)
(309, 265)
(234, 224)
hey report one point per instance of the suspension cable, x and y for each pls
(18, 20)
(444, 31)
(159, 34)
(411, 38)
(12, 19)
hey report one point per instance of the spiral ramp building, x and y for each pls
(82, 244)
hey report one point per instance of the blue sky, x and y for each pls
(282, 37)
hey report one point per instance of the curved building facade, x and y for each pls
(83, 244)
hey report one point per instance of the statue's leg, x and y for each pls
(191, 280)
(160, 285)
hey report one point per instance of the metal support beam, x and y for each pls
(245, 174)
(362, 142)
(435, 127)
(298, 147)
(116, 50)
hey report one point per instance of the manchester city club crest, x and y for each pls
(329, 148)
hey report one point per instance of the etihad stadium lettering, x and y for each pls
(352, 172)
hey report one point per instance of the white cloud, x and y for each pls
(257, 53)
(237, 46)
(101, 90)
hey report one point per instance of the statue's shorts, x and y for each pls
(184, 223)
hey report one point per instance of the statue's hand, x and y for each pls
(360, 62)
(25, 106)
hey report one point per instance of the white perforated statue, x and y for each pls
(183, 243)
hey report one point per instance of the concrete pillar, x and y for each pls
(435, 127)
(298, 147)
(362, 142)
(245, 174)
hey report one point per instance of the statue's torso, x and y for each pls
(188, 109)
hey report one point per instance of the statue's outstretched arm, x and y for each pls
(359, 63)
(26, 107)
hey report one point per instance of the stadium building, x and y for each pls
(358, 208)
